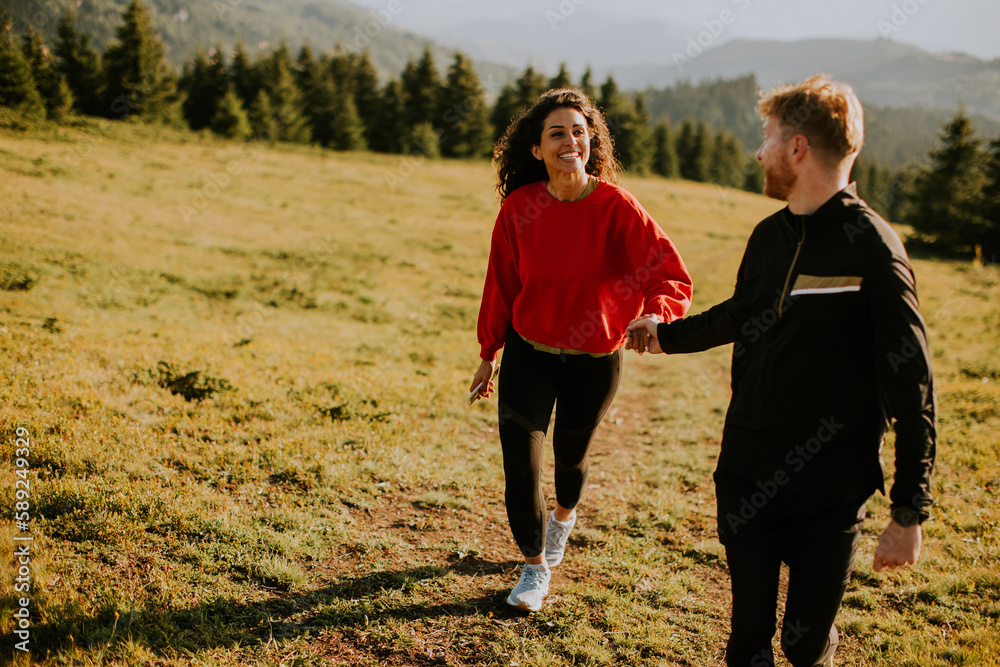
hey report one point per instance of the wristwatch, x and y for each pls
(905, 517)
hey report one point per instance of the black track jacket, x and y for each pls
(829, 348)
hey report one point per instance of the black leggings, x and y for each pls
(530, 384)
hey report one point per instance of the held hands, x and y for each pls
(897, 546)
(482, 382)
(642, 335)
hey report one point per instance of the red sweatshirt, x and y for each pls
(572, 275)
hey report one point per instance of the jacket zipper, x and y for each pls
(788, 278)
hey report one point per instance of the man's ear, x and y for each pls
(799, 146)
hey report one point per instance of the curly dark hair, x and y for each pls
(515, 164)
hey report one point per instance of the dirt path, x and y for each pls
(471, 551)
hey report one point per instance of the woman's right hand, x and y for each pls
(647, 325)
(484, 380)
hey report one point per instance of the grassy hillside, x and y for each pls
(326, 496)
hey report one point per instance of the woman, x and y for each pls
(574, 258)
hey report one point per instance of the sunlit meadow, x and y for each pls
(243, 369)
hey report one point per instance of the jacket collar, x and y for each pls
(841, 200)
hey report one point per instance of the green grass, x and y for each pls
(250, 441)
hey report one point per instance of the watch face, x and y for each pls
(905, 516)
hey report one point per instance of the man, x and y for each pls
(829, 347)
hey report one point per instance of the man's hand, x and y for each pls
(897, 546)
(642, 335)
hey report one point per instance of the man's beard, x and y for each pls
(779, 181)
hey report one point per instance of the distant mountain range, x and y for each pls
(881, 71)
(261, 25)
(652, 53)
(640, 53)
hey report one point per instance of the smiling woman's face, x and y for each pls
(565, 144)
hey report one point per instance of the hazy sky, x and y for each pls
(971, 26)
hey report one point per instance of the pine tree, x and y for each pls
(860, 175)
(901, 188)
(466, 129)
(389, 127)
(636, 136)
(204, 83)
(421, 90)
(514, 99)
(874, 184)
(587, 86)
(269, 69)
(322, 106)
(753, 176)
(630, 127)
(349, 131)
(561, 80)
(80, 64)
(610, 99)
(505, 109)
(424, 140)
(230, 120)
(264, 126)
(51, 85)
(686, 148)
(990, 241)
(286, 103)
(726, 162)
(319, 96)
(530, 85)
(704, 148)
(331, 112)
(694, 149)
(366, 94)
(665, 162)
(342, 67)
(306, 71)
(137, 77)
(18, 91)
(243, 77)
(218, 72)
(947, 199)
(618, 114)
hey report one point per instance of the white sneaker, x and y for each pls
(531, 588)
(556, 534)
